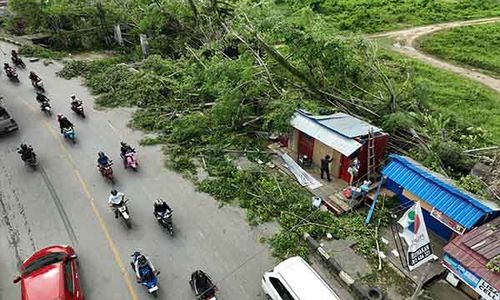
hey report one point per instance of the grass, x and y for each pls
(452, 95)
(40, 52)
(382, 15)
(473, 46)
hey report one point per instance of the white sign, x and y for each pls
(487, 291)
(415, 236)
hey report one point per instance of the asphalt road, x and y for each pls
(65, 202)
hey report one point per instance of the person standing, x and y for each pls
(325, 167)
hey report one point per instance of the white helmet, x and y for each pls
(159, 201)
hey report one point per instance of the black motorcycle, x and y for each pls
(18, 62)
(45, 107)
(78, 109)
(29, 158)
(165, 220)
(12, 74)
(203, 286)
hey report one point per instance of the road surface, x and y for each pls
(65, 203)
(405, 42)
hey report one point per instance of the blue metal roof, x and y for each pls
(439, 192)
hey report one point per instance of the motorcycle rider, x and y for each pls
(8, 69)
(115, 200)
(14, 54)
(124, 149)
(142, 261)
(26, 152)
(102, 160)
(75, 102)
(161, 207)
(34, 78)
(64, 123)
(201, 280)
(41, 98)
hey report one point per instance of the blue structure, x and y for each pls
(446, 208)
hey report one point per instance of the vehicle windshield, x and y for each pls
(46, 260)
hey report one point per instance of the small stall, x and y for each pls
(448, 210)
(343, 137)
(473, 260)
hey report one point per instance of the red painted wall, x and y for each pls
(380, 144)
(306, 144)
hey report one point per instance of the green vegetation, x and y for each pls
(494, 264)
(40, 52)
(461, 104)
(383, 15)
(220, 77)
(475, 46)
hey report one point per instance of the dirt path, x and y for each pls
(404, 41)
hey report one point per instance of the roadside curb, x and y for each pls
(9, 40)
(357, 288)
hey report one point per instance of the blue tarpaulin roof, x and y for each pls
(439, 192)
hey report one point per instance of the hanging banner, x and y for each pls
(447, 221)
(415, 236)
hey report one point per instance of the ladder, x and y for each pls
(371, 154)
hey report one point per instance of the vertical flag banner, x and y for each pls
(415, 236)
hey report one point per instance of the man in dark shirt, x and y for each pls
(325, 167)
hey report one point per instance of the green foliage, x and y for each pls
(382, 15)
(207, 94)
(74, 68)
(473, 110)
(494, 264)
(148, 141)
(40, 52)
(270, 196)
(476, 46)
(474, 185)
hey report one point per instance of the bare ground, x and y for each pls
(404, 41)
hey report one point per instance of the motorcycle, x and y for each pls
(149, 278)
(45, 107)
(130, 160)
(203, 286)
(12, 75)
(31, 161)
(78, 109)
(107, 172)
(124, 213)
(69, 133)
(38, 84)
(18, 62)
(165, 220)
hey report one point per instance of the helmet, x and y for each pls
(73, 96)
(114, 192)
(59, 116)
(199, 274)
(32, 73)
(123, 144)
(159, 201)
(142, 261)
(101, 154)
(24, 146)
(6, 64)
